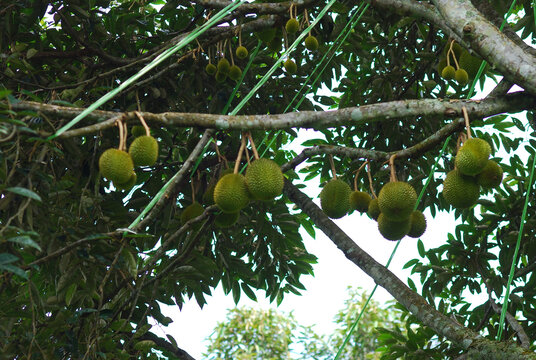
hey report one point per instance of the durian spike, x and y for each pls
(392, 167)
(357, 174)
(333, 172)
(467, 125)
(142, 120)
(239, 157)
(253, 147)
(370, 180)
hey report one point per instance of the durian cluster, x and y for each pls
(393, 209)
(458, 64)
(118, 165)
(473, 169)
(233, 191)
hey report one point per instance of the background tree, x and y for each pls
(85, 265)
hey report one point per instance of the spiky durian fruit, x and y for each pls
(292, 26)
(460, 191)
(335, 198)
(392, 229)
(359, 200)
(397, 200)
(311, 43)
(221, 77)
(241, 52)
(211, 69)
(116, 165)
(373, 209)
(472, 156)
(191, 211)
(491, 176)
(418, 224)
(138, 130)
(461, 76)
(225, 220)
(235, 73)
(448, 72)
(144, 151)
(224, 66)
(264, 179)
(127, 185)
(208, 196)
(290, 66)
(231, 193)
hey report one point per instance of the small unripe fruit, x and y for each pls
(392, 229)
(231, 193)
(461, 77)
(241, 52)
(491, 176)
(335, 198)
(127, 185)
(138, 130)
(225, 220)
(290, 66)
(221, 77)
(211, 69)
(374, 209)
(359, 200)
(448, 72)
(397, 200)
(292, 26)
(459, 190)
(144, 151)
(116, 165)
(473, 156)
(235, 73)
(191, 211)
(418, 224)
(311, 43)
(224, 66)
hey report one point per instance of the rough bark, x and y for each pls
(478, 347)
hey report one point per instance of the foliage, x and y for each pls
(76, 282)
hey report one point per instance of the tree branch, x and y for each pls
(486, 40)
(478, 347)
(164, 344)
(355, 116)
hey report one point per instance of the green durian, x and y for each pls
(472, 156)
(418, 224)
(191, 211)
(335, 198)
(225, 220)
(290, 66)
(359, 200)
(491, 176)
(235, 73)
(461, 77)
(144, 151)
(448, 72)
(460, 191)
(127, 185)
(211, 69)
(374, 209)
(138, 130)
(231, 193)
(241, 52)
(292, 26)
(311, 43)
(392, 229)
(116, 165)
(397, 200)
(224, 66)
(264, 179)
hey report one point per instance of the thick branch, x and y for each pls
(478, 347)
(164, 344)
(486, 39)
(361, 115)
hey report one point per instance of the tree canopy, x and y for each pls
(85, 262)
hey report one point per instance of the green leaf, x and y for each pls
(6, 258)
(69, 294)
(24, 192)
(420, 247)
(14, 269)
(25, 240)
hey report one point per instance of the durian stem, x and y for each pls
(357, 174)
(193, 190)
(239, 157)
(253, 147)
(200, 46)
(240, 35)
(453, 55)
(285, 39)
(392, 168)
(120, 126)
(467, 125)
(231, 54)
(333, 172)
(138, 100)
(145, 126)
(247, 155)
(307, 19)
(370, 181)
(209, 57)
(290, 9)
(125, 133)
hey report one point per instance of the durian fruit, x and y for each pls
(208, 196)
(292, 26)
(461, 76)
(392, 229)
(290, 66)
(266, 35)
(491, 176)
(235, 73)
(276, 43)
(311, 43)
(448, 72)
(241, 52)
(211, 69)
(138, 130)
(231, 193)
(224, 66)
(264, 179)
(359, 200)
(472, 156)
(460, 191)
(191, 211)
(127, 185)
(397, 200)
(418, 224)
(144, 151)
(441, 65)
(116, 165)
(373, 209)
(335, 198)
(221, 77)
(225, 220)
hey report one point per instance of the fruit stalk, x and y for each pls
(143, 123)
(239, 156)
